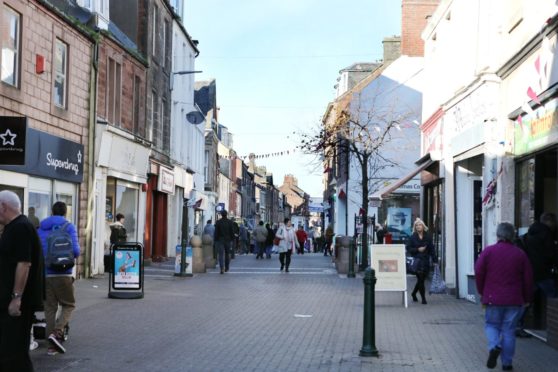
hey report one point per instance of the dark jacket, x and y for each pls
(118, 233)
(539, 245)
(503, 275)
(414, 243)
(224, 230)
(270, 237)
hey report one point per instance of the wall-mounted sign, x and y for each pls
(12, 140)
(538, 130)
(165, 183)
(52, 157)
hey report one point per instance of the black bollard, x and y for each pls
(351, 273)
(369, 326)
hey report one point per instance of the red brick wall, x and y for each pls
(413, 20)
(130, 68)
(34, 96)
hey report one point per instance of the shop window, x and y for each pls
(66, 192)
(60, 73)
(40, 200)
(122, 197)
(526, 198)
(10, 39)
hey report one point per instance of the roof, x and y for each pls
(205, 95)
(361, 66)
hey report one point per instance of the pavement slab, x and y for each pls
(256, 318)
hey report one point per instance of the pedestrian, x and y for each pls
(21, 283)
(311, 237)
(260, 237)
(504, 281)
(420, 246)
(287, 242)
(56, 232)
(209, 229)
(224, 236)
(235, 241)
(118, 234)
(269, 240)
(381, 233)
(539, 245)
(301, 236)
(243, 239)
(328, 240)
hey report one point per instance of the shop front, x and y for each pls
(120, 176)
(52, 172)
(179, 217)
(536, 170)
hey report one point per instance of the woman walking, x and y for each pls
(287, 242)
(420, 246)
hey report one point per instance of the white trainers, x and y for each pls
(56, 342)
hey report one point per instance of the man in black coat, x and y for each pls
(224, 235)
(540, 247)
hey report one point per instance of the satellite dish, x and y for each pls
(195, 117)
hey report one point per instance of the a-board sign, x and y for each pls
(127, 264)
(389, 262)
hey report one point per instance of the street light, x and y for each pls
(181, 73)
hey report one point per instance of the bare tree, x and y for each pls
(359, 130)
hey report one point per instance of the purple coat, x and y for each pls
(504, 276)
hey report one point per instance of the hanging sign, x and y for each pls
(12, 140)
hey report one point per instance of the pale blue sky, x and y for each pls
(276, 62)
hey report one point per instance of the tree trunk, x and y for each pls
(364, 170)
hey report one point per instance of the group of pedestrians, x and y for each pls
(36, 274)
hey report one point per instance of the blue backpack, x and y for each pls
(60, 250)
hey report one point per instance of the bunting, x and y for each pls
(260, 156)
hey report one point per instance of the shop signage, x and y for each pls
(538, 130)
(52, 157)
(389, 262)
(165, 183)
(12, 140)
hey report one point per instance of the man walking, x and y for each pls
(301, 236)
(505, 282)
(209, 229)
(61, 248)
(21, 284)
(260, 236)
(224, 235)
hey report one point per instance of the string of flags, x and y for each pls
(259, 156)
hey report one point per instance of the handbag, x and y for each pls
(438, 285)
(412, 264)
(276, 241)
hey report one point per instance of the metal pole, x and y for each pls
(351, 273)
(369, 326)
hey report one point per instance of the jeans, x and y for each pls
(223, 249)
(268, 250)
(15, 335)
(500, 323)
(260, 248)
(59, 291)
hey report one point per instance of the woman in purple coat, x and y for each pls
(505, 282)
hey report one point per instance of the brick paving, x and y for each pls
(255, 318)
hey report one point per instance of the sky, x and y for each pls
(276, 62)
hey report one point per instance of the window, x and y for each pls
(113, 91)
(137, 87)
(154, 113)
(11, 21)
(205, 167)
(154, 30)
(60, 73)
(166, 31)
(122, 197)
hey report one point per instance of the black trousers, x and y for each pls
(15, 336)
(421, 278)
(285, 259)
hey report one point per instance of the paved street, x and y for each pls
(255, 318)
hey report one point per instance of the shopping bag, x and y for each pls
(412, 264)
(438, 285)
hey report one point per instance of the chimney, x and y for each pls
(392, 48)
(414, 16)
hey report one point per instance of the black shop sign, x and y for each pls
(12, 140)
(51, 157)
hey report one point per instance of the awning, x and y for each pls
(383, 193)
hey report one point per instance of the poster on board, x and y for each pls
(388, 260)
(127, 269)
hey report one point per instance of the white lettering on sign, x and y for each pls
(62, 164)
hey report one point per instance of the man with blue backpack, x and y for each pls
(61, 249)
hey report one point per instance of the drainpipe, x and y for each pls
(91, 160)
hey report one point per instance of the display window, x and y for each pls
(122, 197)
